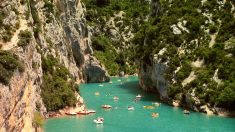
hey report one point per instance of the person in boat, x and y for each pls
(97, 93)
(154, 114)
(186, 112)
(115, 98)
(156, 104)
(99, 120)
(139, 96)
(130, 108)
(106, 106)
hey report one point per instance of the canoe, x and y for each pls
(131, 108)
(149, 107)
(71, 113)
(83, 113)
(138, 96)
(106, 106)
(99, 120)
(186, 112)
(91, 111)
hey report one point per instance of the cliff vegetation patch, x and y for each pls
(58, 85)
(9, 63)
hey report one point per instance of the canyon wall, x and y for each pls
(58, 28)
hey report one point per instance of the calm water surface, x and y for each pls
(119, 119)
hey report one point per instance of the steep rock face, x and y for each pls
(94, 72)
(79, 37)
(57, 29)
(19, 98)
(152, 78)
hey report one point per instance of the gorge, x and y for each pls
(183, 51)
(119, 118)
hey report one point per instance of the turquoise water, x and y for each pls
(119, 119)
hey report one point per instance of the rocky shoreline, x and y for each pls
(208, 110)
(80, 106)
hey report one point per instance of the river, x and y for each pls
(119, 119)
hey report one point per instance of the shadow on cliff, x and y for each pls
(134, 88)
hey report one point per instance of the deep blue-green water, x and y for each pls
(119, 119)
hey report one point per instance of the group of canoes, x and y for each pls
(100, 120)
(83, 112)
(109, 107)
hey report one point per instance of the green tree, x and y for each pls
(227, 95)
(38, 120)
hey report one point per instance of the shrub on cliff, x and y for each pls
(8, 64)
(2, 17)
(227, 95)
(25, 37)
(48, 5)
(184, 71)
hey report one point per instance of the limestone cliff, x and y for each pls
(188, 53)
(57, 28)
(152, 70)
(152, 78)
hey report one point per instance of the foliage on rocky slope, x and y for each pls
(114, 24)
(9, 63)
(195, 41)
(58, 87)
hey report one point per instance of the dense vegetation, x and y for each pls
(58, 85)
(24, 38)
(9, 63)
(115, 51)
(157, 34)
